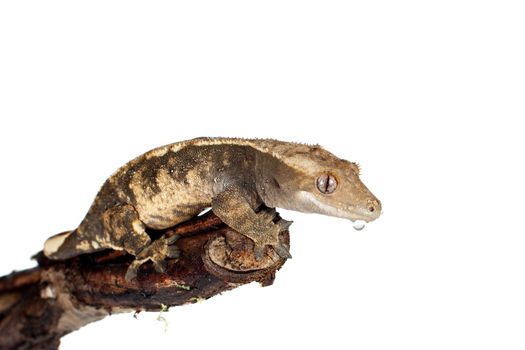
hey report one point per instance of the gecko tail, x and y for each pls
(54, 246)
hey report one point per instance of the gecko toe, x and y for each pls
(131, 273)
(173, 252)
(280, 248)
(259, 251)
(172, 239)
(282, 251)
(160, 266)
(284, 224)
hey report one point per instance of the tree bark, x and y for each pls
(40, 305)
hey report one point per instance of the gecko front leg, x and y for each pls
(233, 207)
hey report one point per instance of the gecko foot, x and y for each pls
(158, 251)
(271, 238)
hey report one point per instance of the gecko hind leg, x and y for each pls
(157, 252)
(124, 230)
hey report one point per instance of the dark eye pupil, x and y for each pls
(326, 183)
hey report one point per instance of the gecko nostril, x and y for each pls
(374, 207)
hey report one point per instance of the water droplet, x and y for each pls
(359, 225)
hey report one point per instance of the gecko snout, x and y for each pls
(374, 208)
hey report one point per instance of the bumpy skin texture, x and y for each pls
(235, 177)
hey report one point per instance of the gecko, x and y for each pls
(241, 180)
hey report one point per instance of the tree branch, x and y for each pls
(40, 305)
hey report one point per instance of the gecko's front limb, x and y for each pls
(233, 207)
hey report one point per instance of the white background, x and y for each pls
(428, 96)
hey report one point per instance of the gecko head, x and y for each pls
(313, 180)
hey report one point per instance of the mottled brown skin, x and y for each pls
(234, 177)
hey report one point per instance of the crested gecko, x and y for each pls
(235, 177)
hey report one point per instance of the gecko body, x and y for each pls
(235, 177)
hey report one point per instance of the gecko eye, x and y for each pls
(326, 183)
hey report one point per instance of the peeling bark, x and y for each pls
(40, 305)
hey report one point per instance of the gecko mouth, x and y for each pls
(358, 215)
(361, 214)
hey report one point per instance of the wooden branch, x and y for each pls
(40, 305)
